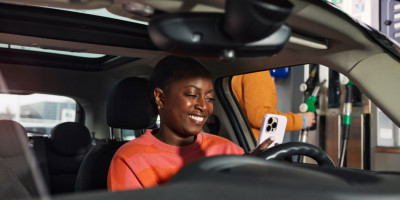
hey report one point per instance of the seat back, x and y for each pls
(93, 172)
(11, 187)
(15, 170)
(65, 150)
(128, 107)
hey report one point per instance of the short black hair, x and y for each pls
(173, 68)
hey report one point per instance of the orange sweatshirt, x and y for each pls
(256, 94)
(146, 161)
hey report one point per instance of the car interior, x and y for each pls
(103, 63)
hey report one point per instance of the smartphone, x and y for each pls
(272, 125)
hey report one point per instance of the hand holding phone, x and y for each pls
(272, 125)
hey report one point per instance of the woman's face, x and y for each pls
(187, 105)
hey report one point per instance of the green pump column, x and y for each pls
(346, 122)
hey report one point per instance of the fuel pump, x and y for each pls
(334, 89)
(346, 120)
(310, 89)
(309, 106)
(308, 86)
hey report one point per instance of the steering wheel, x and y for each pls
(297, 148)
(203, 168)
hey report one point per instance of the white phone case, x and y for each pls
(272, 125)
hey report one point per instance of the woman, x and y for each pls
(256, 94)
(183, 94)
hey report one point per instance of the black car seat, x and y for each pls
(65, 150)
(128, 107)
(16, 171)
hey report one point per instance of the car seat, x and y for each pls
(65, 150)
(128, 107)
(16, 170)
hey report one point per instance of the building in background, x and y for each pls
(37, 113)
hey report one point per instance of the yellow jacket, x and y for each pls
(256, 95)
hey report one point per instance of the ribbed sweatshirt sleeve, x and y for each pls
(256, 94)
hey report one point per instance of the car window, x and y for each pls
(283, 92)
(38, 113)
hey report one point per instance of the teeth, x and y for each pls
(196, 117)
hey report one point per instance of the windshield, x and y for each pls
(386, 42)
(364, 16)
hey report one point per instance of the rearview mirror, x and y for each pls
(258, 31)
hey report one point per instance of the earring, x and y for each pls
(159, 107)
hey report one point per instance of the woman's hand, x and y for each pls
(310, 118)
(263, 146)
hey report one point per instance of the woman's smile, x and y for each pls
(199, 120)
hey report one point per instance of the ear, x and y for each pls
(159, 97)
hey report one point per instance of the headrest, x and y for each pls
(12, 138)
(129, 105)
(71, 138)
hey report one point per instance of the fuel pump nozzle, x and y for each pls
(309, 106)
(310, 83)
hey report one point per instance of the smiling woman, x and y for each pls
(183, 95)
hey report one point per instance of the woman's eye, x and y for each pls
(191, 95)
(210, 99)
